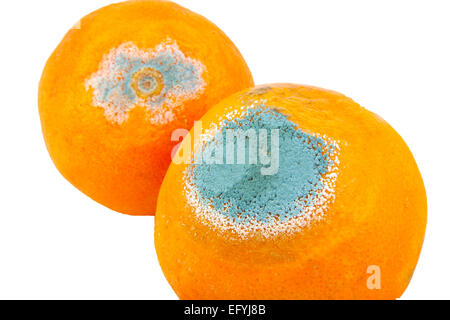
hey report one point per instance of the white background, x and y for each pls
(390, 56)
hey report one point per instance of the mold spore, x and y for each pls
(239, 197)
(159, 79)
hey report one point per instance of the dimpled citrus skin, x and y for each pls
(378, 216)
(121, 162)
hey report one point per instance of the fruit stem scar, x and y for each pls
(147, 82)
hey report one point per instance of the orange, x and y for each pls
(340, 214)
(116, 88)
